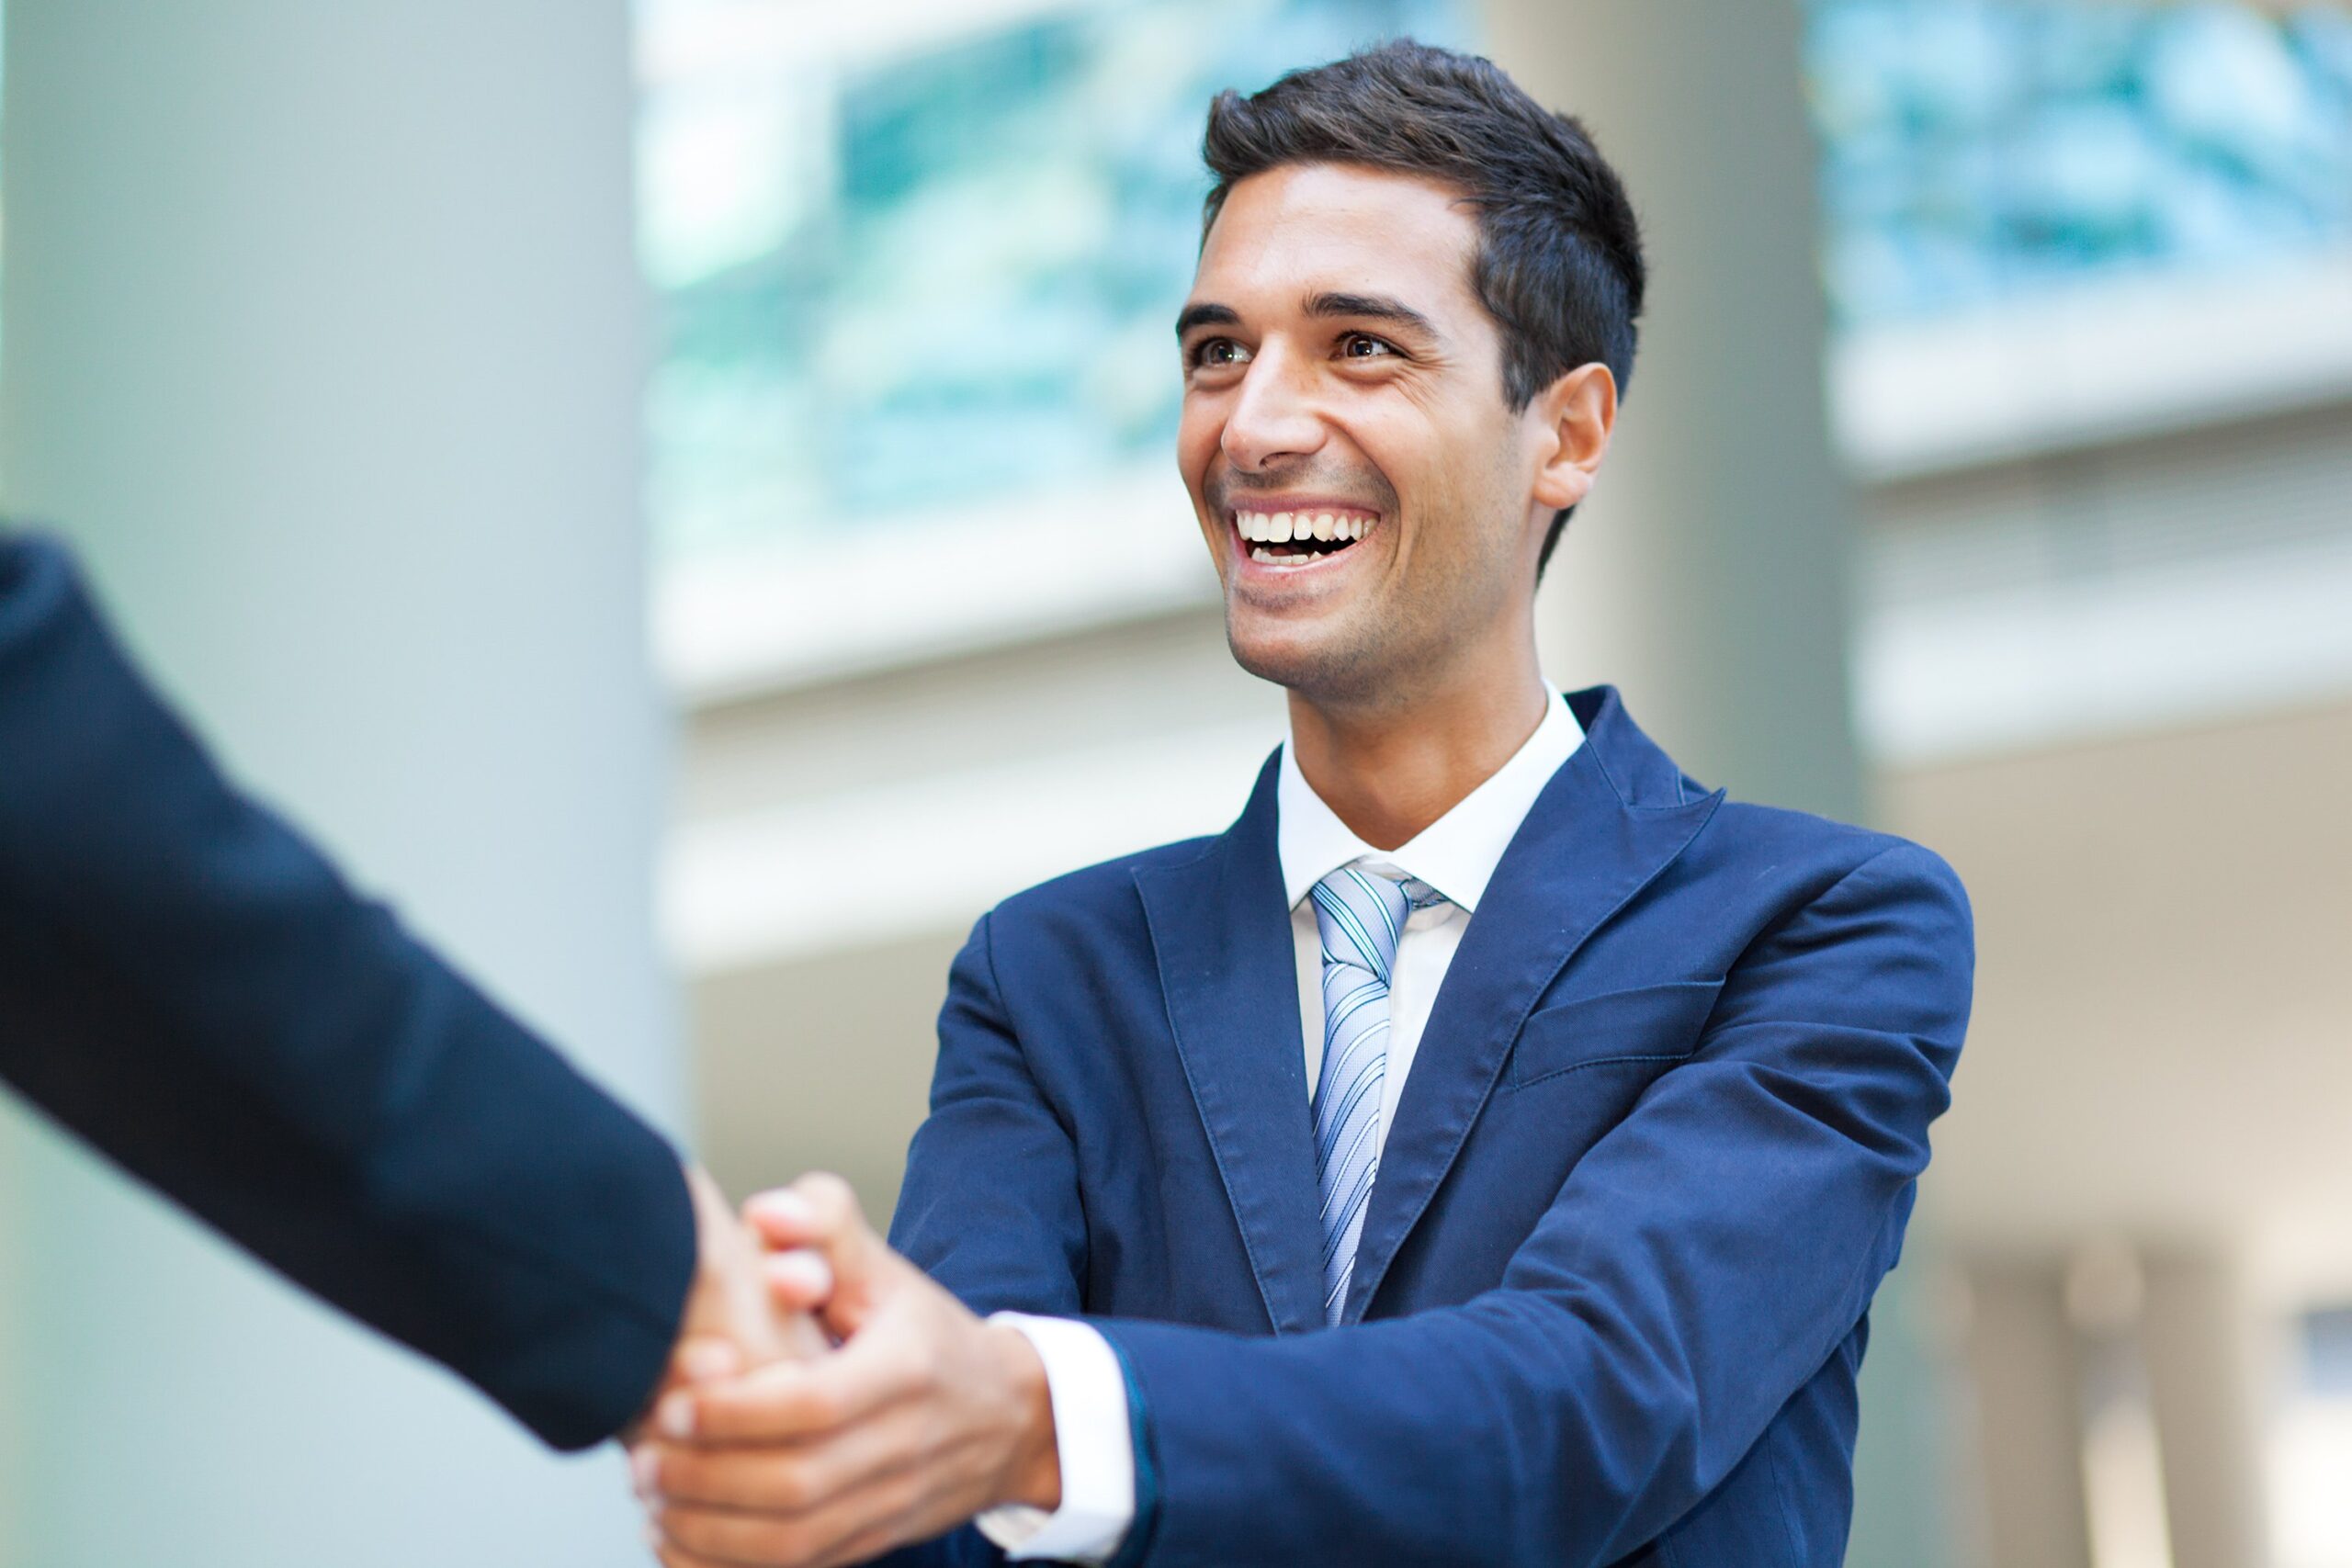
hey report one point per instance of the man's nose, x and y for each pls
(1273, 415)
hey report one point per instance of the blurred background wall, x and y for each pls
(1988, 473)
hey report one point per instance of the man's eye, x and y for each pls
(1364, 345)
(1218, 351)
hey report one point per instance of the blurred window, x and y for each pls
(1979, 150)
(2311, 1448)
(917, 261)
(2327, 1352)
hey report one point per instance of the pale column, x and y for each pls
(2026, 1363)
(322, 340)
(1707, 576)
(2197, 1335)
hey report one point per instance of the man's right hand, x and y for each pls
(926, 1416)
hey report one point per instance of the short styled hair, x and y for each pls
(1560, 265)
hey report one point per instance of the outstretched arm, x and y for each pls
(189, 986)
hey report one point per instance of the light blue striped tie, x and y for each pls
(1361, 915)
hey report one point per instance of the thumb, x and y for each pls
(727, 1300)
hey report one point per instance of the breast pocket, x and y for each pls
(1651, 1026)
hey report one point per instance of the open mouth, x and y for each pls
(1300, 538)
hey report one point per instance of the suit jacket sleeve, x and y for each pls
(1015, 1241)
(990, 1205)
(187, 985)
(1699, 1265)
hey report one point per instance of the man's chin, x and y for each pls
(1310, 661)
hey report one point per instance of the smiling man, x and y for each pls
(1486, 1150)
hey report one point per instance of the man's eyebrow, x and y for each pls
(1373, 306)
(1206, 316)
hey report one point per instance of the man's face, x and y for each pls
(1343, 387)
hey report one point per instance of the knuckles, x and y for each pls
(737, 1539)
(695, 1481)
(789, 1487)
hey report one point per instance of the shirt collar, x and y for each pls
(1457, 854)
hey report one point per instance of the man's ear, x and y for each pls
(1577, 415)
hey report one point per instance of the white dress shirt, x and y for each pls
(1456, 855)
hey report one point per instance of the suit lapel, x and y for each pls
(1613, 816)
(1221, 933)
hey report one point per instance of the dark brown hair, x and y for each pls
(1560, 265)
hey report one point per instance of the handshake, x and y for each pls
(828, 1402)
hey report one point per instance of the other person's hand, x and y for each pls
(732, 1321)
(925, 1417)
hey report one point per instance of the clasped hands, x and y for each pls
(826, 1401)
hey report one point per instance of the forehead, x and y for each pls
(1311, 228)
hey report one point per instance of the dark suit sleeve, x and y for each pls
(1698, 1267)
(187, 985)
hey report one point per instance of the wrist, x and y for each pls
(1033, 1472)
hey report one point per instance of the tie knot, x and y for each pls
(1419, 893)
(1362, 914)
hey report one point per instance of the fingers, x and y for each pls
(847, 1528)
(896, 1436)
(803, 1463)
(819, 1214)
(670, 1556)
(811, 1210)
(789, 1401)
(676, 1556)
(801, 1280)
(729, 1299)
(819, 1210)
(842, 1499)
(707, 1360)
(780, 1478)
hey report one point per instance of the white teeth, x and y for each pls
(1262, 554)
(1283, 527)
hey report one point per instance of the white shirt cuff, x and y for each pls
(1095, 1444)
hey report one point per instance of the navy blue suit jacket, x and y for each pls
(1655, 1155)
(187, 985)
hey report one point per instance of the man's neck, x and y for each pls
(1389, 772)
